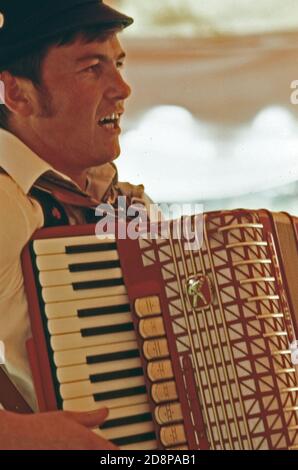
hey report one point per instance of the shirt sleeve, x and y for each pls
(20, 216)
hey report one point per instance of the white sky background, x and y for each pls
(209, 17)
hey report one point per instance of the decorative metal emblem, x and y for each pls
(199, 291)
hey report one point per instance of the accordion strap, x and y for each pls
(53, 211)
(54, 199)
(10, 397)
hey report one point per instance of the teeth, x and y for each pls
(112, 117)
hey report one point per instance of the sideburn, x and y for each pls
(45, 102)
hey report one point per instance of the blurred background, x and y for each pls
(211, 119)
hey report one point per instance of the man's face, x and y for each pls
(82, 84)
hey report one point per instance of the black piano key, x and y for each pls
(127, 392)
(114, 423)
(106, 330)
(98, 311)
(117, 356)
(82, 267)
(122, 441)
(96, 247)
(120, 374)
(97, 284)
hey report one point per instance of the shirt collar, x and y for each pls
(25, 167)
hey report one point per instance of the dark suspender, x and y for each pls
(10, 397)
(53, 212)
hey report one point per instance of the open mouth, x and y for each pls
(110, 122)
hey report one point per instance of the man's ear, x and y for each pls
(18, 95)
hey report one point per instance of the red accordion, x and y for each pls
(190, 349)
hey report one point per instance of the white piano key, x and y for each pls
(57, 245)
(70, 309)
(79, 356)
(89, 404)
(85, 388)
(146, 445)
(129, 430)
(82, 372)
(76, 341)
(63, 260)
(73, 324)
(64, 277)
(127, 411)
(64, 293)
(99, 432)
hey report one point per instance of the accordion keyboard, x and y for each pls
(92, 337)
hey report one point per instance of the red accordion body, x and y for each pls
(191, 349)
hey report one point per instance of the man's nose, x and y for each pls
(119, 88)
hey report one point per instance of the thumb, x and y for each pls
(90, 419)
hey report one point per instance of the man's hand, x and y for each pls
(61, 430)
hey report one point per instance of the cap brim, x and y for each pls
(87, 14)
(90, 14)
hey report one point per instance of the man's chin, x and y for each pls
(108, 159)
(116, 154)
(116, 157)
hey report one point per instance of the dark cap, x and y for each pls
(24, 24)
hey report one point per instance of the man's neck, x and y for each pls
(80, 177)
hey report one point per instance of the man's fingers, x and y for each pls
(89, 419)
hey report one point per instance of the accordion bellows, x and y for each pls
(190, 349)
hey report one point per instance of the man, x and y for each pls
(60, 64)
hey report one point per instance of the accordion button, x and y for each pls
(172, 435)
(169, 413)
(164, 392)
(147, 306)
(156, 349)
(160, 370)
(152, 327)
(181, 447)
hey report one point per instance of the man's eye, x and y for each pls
(92, 68)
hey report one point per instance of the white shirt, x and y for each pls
(20, 217)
